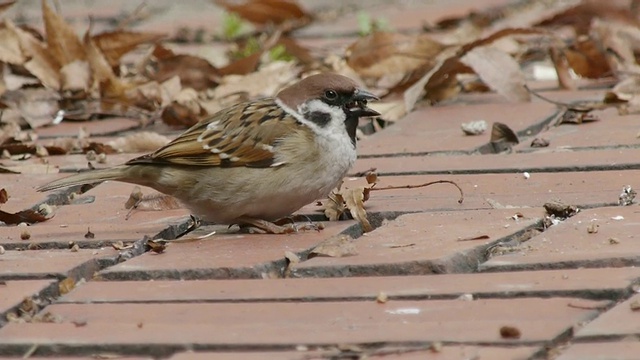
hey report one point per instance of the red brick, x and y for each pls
(48, 263)
(568, 244)
(547, 160)
(600, 133)
(114, 325)
(438, 128)
(620, 321)
(222, 255)
(407, 353)
(423, 243)
(578, 282)
(508, 190)
(616, 350)
(13, 292)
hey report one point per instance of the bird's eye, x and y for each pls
(331, 94)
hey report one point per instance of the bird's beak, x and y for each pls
(360, 108)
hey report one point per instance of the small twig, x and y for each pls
(567, 106)
(424, 185)
(31, 351)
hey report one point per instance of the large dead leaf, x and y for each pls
(62, 41)
(25, 216)
(10, 50)
(104, 78)
(115, 44)
(587, 59)
(75, 76)
(262, 83)
(499, 71)
(384, 54)
(42, 64)
(581, 16)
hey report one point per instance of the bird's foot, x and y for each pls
(282, 226)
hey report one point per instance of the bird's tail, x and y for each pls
(89, 177)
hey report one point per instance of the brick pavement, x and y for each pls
(435, 279)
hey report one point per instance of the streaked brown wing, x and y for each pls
(243, 135)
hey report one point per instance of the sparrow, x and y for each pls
(257, 161)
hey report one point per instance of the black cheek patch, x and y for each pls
(319, 118)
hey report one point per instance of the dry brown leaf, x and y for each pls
(6, 4)
(115, 44)
(587, 59)
(354, 201)
(10, 50)
(42, 64)
(335, 246)
(384, 54)
(75, 76)
(334, 207)
(263, 12)
(262, 83)
(580, 17)
(65, 286)
(563, 70)
(62, 41)
(194, 72)
(25, 216)
(157, 246)
(185, 110)
(3, 196)
(104, 78)
(499, 71)
(36, 106)
(145, 141)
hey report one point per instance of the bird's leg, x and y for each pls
(298, 217)
(267, 227)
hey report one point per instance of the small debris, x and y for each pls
(592, 228)
(102, 158)
(436, 347)
(371, 177)
(479, 237)
(635, 305)
(614, 241)
(89, 234)
(2, 251)
(526, 175)
(510, 332)
(157, 246)
(466, 297)
(627, 196)
(560, 210)
(539, 143)
(91, 155)
(617, 218)
(382, 297)
(25, 235)
(79, 323)
(474, 127)
(74, 248)
(119, 245)
(33, 246)
(4, 197)
(66, 285)
(335, 246)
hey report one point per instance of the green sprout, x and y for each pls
(232, 25)
(367, 25)
(279, 53)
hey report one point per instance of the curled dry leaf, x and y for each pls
(354, 201)
(25, 216)
(104, 79)
(157, 246)
(4, 196)
(335, 246)
(560, 210)
(510, 332)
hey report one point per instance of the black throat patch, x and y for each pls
(352, 125)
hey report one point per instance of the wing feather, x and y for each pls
(243, 135)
